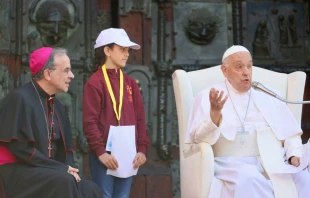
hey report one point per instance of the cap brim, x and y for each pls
(97, 45)
(129, 44)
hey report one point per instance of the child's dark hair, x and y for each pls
(100, 56)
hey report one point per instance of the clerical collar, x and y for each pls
(41, 91)
(233, 90)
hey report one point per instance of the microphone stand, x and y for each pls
(258, 86)
(292, 102)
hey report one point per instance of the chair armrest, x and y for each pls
(304, 149)
(304, 146)
(197, 170)
(191, 149)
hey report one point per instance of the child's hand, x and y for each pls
(139, 160)
(109, 161)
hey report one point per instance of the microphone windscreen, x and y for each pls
(260, 87)
(255, 84)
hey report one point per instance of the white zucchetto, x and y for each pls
(234, 49)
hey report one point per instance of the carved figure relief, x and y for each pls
(144, 6)
(277, 32)
(201, 26)
(138, 5)
(104, 20)
(4, 14)
(5, 24)
(293, 29)
(52, 20)
(283, 37)
(261, 45)
(4, 81)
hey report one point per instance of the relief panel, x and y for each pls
(56, 23)
(7, 26)
(276, 31)
(143, 76)
(6, 83)
(202, 31)
(144, 6)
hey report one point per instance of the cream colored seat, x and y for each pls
(197, 160)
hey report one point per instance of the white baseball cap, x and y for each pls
(117, 36)
(234, 49)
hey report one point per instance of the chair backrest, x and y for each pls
(187, 84)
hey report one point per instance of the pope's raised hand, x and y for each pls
(216, 104)
(216, 99)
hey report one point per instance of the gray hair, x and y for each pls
(49, 63)
(225, 62)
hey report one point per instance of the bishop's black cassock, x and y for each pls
(26, 169)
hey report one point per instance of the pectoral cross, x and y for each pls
(243, 133)
(50, 149)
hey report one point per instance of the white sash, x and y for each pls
(271, 159)
(226, 148)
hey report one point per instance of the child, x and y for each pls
(110, 99)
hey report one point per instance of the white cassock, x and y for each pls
(242, 162)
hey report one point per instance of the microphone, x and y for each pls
(260, 87)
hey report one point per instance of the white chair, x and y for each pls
(197, 160)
